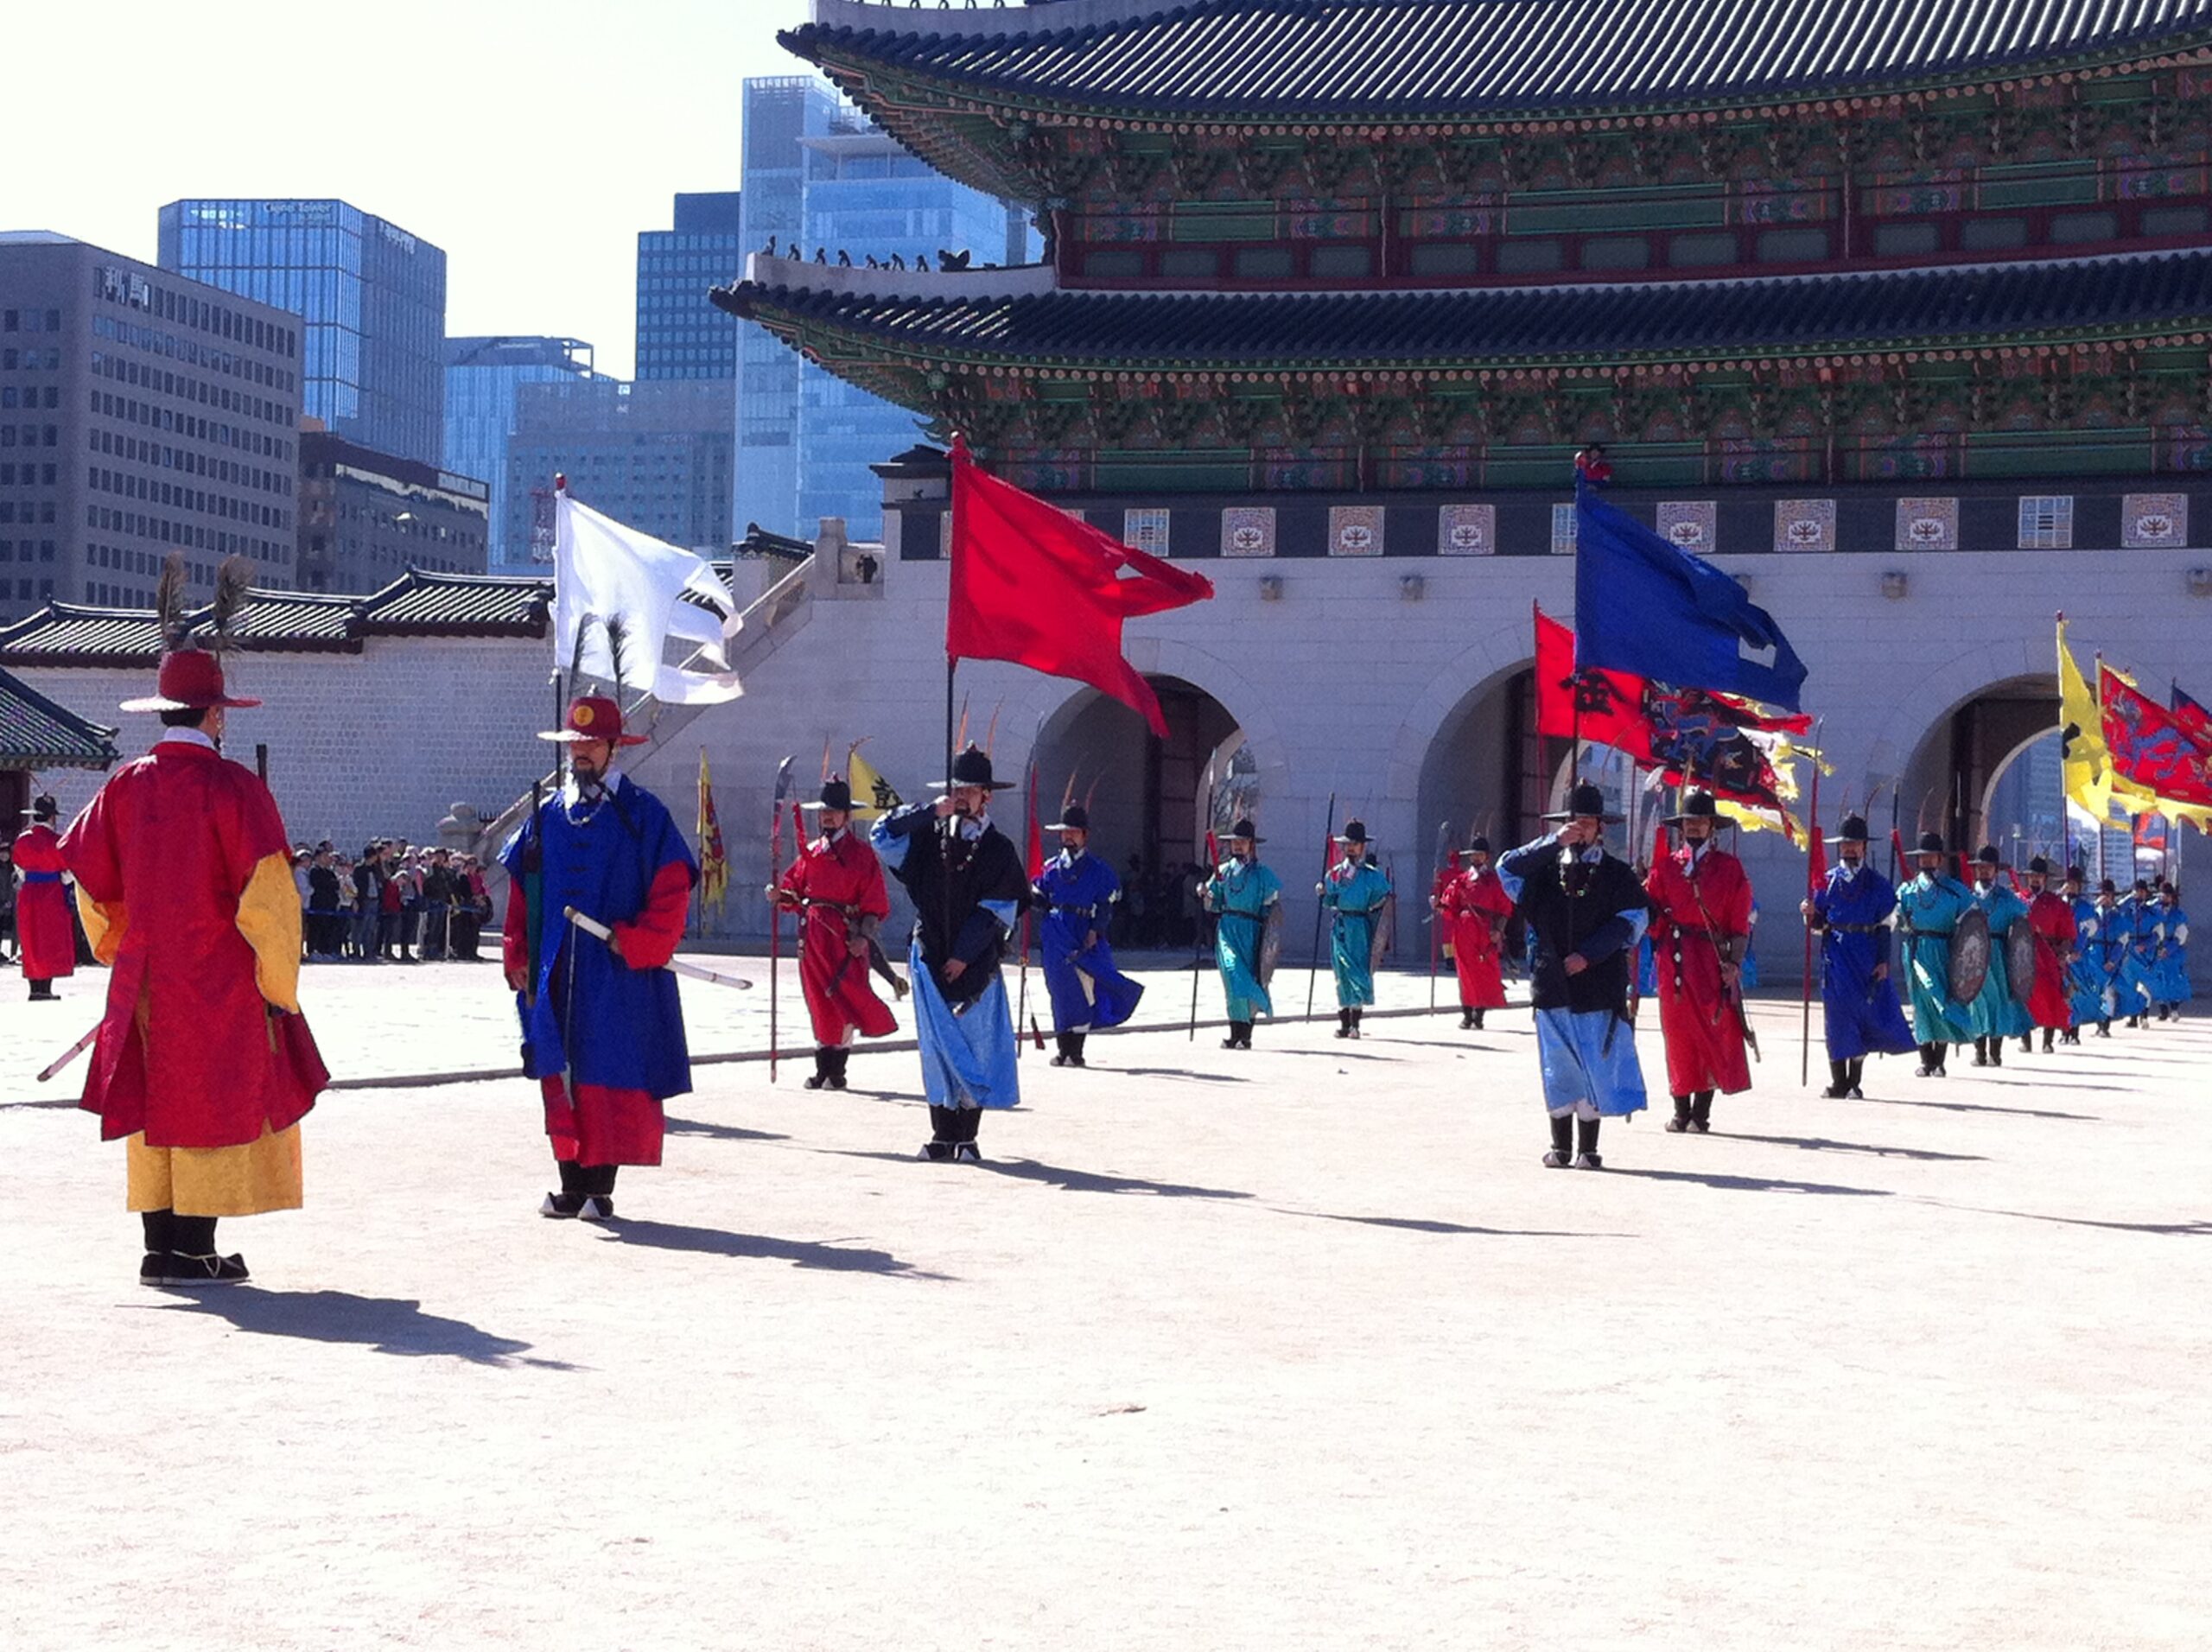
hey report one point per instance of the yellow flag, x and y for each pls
(714, 858)
(2087, 764)
(873, 796)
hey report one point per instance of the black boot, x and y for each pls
(1562, 1153)
(1059, 1048)
(1858, 1071)
(570, 1199)
(838, 1058)
(1839, 1081)
(1981, 1052)
(1681, 1121)
(966, 1121)
(597, 1183)
(825, 1059)
(1355, 1013)
(1586, 1145)
(1701, 1111)
(1240, 1036)
(2028, 1044)
(1996, 1051)
(945, 1131)
(1075, 1049)
(2049, 1039)
(1344, 1023)
(1466, 1020)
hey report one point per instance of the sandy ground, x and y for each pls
(1294, 1348)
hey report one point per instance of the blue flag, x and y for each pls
(1644, 606)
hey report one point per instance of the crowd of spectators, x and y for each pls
(395, 903)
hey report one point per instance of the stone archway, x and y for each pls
(1950, 779)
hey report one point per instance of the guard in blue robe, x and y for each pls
(965, 880)
(1076, 893)
(1585, 912)
(1246, 900)
(1852, 913)
(1999, 1010)
(1929, 907)
(2085, 985)
(2170, 988)
(601, 1025)
(1356, 895)
(2138, 924)
(2109, 956)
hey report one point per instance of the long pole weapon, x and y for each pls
(1805, 1007)
(775, 907)
(1032, 852)
(1328, 855)
(1435, 918)
(1198, 929)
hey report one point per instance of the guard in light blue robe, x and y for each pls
(1998, 1010)
(2170, 988)
(1860, 1010)
(2106, 957)
(1245, 898)
(2085, 979)
(1076, 894)
(2138, 924)
(1929, 907)
(1356, 894)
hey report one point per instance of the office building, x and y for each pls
(655, 456)
(140, 413)
(367, 518)
(680, 335)
(482, 375)
(373, 297)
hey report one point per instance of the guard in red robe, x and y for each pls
(2051, 917)
(837, 886)
(1473, 907)
(45, 939)
(1700, 926)
(602, 1026)
(203, 1062)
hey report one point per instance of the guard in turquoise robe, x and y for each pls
(1245, 898)
(1999, 1010)
(1929, 907)
(1356, 895)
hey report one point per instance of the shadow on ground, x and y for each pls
(1821, 1144)
(721, 1131)
(1420, 1224)
(1747, 1184)
(387, 1325)
(800, 1253)
(1073, 1181)
(1977, 1107)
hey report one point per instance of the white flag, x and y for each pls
(606, 571)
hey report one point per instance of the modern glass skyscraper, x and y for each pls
(373, 297)
(680, 335)
(482, 376)
(817, 174)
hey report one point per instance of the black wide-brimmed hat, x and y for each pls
(972, 768)
(1932, 844)
(1354, 831)
(2077, 874)
(1073, 818)
(1701, 806)
(836, 794)
(2107, 886)
(2038, 868)
(1479, 844)
(1585, 799)
(1853, 830)
(1245, 829)
(43, 807)
(1987, 855)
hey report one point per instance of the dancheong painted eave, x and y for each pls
(1459, 61)
(2153, 296)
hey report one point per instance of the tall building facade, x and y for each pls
(373, 297)
(819, 175)
(655, 456)
(140, 413)
(482, 378)
(680, 335)
(366, 517)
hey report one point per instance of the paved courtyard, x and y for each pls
(1295, 1348)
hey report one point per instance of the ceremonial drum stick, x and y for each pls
(68, 1055)
(675, 966)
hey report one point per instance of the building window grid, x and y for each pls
(2046, 522)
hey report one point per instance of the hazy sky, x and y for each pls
(531, 142)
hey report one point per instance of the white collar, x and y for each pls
(974, 826)
(1848, 870)
(572, 793)
(188, 737)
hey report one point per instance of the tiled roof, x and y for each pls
(1785, 314)
(1474, 57)
(417, 604)
(36, 733)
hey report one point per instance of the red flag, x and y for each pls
(1612, 702)
(1031, 585)
(2196, 721)
(2148, 747)
(1816, 855)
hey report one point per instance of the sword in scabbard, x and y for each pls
(674, 966)
(69, 1055)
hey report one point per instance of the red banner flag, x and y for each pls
(1611, 701)
(2196, 721)
(1033, 586)
(2150, 748)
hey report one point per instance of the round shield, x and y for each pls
(2020, 950)
(1270, 943)
(1969, 956)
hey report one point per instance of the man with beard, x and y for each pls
(1928, 909)
(1355, 892)
(1585, 913)
(1998, 1012)
(1471, 904)
(965, 879)
(1852, 913)
(602, 1026)
(1076, 892)
(1245, 898)
(2051, 917)
(1701, 926)
(837, 886)
(46, 942)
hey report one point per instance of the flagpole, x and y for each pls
(1021, 975)
(1805, 1008)
(1313, 969)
